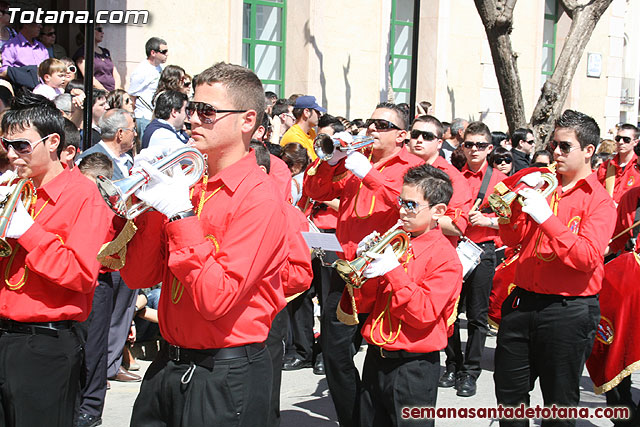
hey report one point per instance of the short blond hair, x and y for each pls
(50, 66)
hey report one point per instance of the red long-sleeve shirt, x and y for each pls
(626, 177)
(461, 201)
(422, 298)
(226, 264)
(59, 250)
(477, 233)
(297, 272)
(564, 254)
(365, 205)
(626, 215)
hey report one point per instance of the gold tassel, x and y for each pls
(117, 246)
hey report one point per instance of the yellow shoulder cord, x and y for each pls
(391, 338)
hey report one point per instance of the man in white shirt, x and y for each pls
(144, 81)
(167, 127)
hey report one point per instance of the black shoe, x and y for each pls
(466, 385)
(86, 420)
(448, 379)
(318, 368)
(296, 364)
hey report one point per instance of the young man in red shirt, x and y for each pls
(426, 141)
(220, 267)
(409, 306)
(463, 369)
(621, 173)
(51, 275)
(368, 196)
(549, 320)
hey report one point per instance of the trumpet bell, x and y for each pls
(117, 194)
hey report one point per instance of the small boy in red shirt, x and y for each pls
(407, 324)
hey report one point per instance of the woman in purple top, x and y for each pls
(105, 75)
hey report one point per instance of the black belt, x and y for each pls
(43, 328)
(552, 297)
(401, 354)
(206, 358)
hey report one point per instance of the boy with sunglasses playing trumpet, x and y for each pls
(50, 277)
(409, 306)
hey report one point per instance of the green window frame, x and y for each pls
(265, 55)
(401, 49)
(549, 46)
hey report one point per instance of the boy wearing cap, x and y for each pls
(409, 307)
(307, 113)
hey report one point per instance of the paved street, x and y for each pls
(306, 402)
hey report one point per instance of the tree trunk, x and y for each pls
(497, 18)
(556, 88)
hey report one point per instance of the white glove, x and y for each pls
(20, 222)
(535, 204)
(533, 179)
(337, 156)
(365, 241)
(8, 176)
(169, 195)
(358, 164)
(381, 264)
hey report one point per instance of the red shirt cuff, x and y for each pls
(184, 233)
(31, 238)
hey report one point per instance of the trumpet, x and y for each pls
(351, 271)
(325, 146)
(118, 193)
(500, 201)
(22, 193)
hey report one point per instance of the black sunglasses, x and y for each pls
(530, 142)
(565, 147)
(187, 84)
(626, 139)
(502, 160)
(163, 51)
(50, 33)
(381, 124)
(206, 112)
(481, 145)
(427, 136)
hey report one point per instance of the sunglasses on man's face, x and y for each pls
(480, 145)
(626, 139)
(381, 124)
(22, 145)
(426, 136)
(163, 51)
(565, 147)
(410, 205)
(206, 112)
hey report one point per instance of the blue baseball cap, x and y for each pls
(308, 101)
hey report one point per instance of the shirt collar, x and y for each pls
(163, 121)
(24, 42)
(233, 175)
(468, 172)
(54, 188)
(425, 241)
(591, 180)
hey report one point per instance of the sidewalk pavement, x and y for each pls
(305, 397)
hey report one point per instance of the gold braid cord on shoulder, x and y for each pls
(117, 246)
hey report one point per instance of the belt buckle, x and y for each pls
(382, 353)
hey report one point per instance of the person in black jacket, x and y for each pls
(523, 143)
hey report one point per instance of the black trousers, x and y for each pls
(236, 392)
(300, 312)
(338, 346)
(275, 346)
(39, 378)
(388, 385)
(94, 376)
(545, 337)
(475, 294)
(124, 305)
